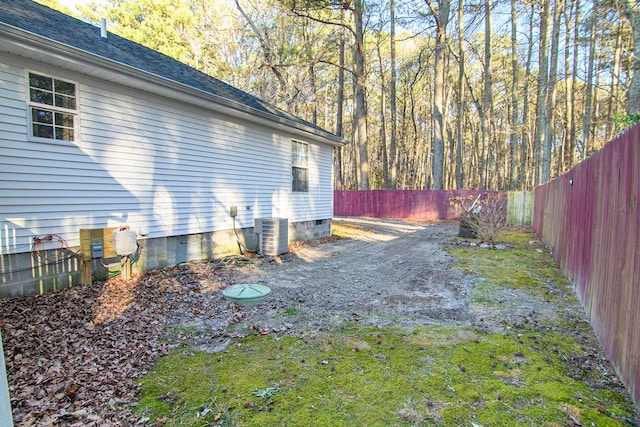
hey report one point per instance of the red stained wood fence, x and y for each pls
(419, 205)
(590, 219)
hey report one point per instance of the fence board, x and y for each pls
(590, 218)
(519, 207)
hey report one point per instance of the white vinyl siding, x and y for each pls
(159, 166)
(317, 203)
(12, 99)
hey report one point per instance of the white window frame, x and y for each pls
(299, 162)
(52, 108)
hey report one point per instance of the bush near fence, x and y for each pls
(590, 219)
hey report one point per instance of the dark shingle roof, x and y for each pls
(43, 21)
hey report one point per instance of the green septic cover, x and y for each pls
(246, 294)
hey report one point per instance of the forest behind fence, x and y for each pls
(590, 219)
(499, 94)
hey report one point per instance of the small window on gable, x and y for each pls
(53, 108)
(299, 166)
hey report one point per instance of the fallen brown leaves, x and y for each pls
(73, 357)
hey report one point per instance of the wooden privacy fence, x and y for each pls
(422, 205)
(520, 207)
(590, 219)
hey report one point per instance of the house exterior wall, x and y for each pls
(164, 168)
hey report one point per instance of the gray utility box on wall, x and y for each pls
(273, 235)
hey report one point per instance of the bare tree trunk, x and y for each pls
(451, 166)
(586, 122)
(441, 17)
(513, 139)
(403, 142)
(574, 79)
(461, 95)
(356, 144)
(572, 21)
(360, 95)
(339, 112)
(632, 13)
(612, 107)
(525, 138)
(476, 168)
(383, 122)
(543, 78)
(551, 93)
(487, 100)
(393, 101)
(314, 102)
(312, 76)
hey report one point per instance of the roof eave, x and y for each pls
(35, 46)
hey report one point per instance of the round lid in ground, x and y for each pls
(246, 294)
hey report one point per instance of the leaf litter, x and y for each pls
(73, 356)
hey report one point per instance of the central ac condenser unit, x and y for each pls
(273, 235)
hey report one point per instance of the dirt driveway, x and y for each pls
(380, 273)
(386, 273)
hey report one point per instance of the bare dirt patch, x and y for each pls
(386, 273)
(73, 357)
(382, 273)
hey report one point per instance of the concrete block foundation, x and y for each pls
(25, 275)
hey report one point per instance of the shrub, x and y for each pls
(484, 215)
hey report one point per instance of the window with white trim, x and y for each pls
(299, 166)
(53, 107)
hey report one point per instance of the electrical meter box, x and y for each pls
(124, 241)
(96, 250)
(104, 244)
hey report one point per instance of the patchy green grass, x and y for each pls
(392, 377)
(289, 311)
(429, 376)
(526, 265)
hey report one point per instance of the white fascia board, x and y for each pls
(22, 43)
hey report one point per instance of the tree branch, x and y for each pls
(304, 13)
(265, 45)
